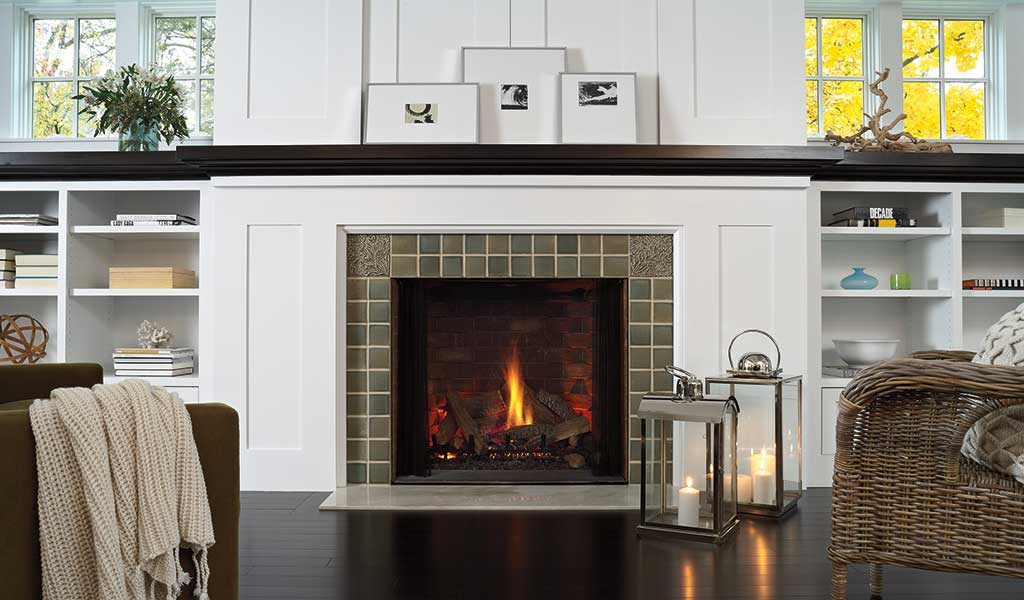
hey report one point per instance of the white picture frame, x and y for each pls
(598, 108)
(518, 92)
(422, 113)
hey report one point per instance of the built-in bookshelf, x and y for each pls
(950, 244)
(86, 319)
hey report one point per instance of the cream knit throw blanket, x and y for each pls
(120, 490)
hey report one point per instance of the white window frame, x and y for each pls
(25, 77)
(198, 13)
(995, 115)
(868, 45)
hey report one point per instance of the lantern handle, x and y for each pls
(778, 353)
(689, 387)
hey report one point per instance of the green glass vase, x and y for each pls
(139, 138)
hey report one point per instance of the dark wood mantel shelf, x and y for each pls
(204, 162)
(488, 159)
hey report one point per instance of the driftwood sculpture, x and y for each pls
(22, 338)
(882, 139)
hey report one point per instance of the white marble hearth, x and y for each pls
(484, 497)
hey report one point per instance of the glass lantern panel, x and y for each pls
(791, 444)
(728, 468)
(656, 505)
(755, 440)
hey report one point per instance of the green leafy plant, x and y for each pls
(133, 98)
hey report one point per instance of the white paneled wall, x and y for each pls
(280, 359)
(290, 72)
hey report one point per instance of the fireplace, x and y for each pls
(509, 380)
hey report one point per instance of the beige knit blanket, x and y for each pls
(120, 490)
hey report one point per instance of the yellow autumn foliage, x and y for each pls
(842, 55)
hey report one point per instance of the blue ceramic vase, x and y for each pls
(859, 280)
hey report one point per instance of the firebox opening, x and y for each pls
(510, 380)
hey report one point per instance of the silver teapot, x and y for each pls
(756, 364)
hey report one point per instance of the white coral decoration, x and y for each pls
(154, 335)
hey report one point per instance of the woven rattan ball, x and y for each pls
(22, 338)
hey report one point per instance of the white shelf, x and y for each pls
(993, 293)
(29, 229)
(124, 292)
(835, 382)
(886, 294)
(993, 234)
(180, 232)
(30, 292)
(181, 381)
(887, 234)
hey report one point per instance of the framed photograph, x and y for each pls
(422, 113)
(518, 92)
(598, 108)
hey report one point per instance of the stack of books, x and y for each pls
(873, 216)
(153, 362)
(152, 277)
(1000, 217)
(27, 219)
(35, 271)
(994, 284)
(7, 267)
(151, 220)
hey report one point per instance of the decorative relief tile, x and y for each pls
(369, 255)
(650, 255)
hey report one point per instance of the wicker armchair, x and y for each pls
(902, 494)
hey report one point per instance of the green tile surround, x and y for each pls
(646, 260)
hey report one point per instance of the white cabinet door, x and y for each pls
(829, 414)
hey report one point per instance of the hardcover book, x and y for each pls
(872, 212)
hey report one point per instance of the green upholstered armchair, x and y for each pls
(214, 426)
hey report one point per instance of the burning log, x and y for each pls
(446, 430)
(486, 404)
(522, 432)
(555, 404)
(577, 425)
(466, 422)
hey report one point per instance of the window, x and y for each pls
(945, 79)
(185, 47)
(67, 54)
(834, 59)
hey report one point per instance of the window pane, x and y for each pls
(842, 47)
(53, 47)
(86, 124)
(920, 48)
(53, 110)
(189, 102)
(965, 110)
(206, 107)
(921, 103)
(811, 46)
(812, 108)
(843, 103)
(965, 48)
(176, 44)
(97, 46)
(209, 38)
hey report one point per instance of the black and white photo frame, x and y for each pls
(422, 113)
(598, 108)
(518, 92)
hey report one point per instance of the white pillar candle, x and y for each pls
(744, 491)
(689, 505)
(763, 474)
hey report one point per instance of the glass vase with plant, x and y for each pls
(142, 105)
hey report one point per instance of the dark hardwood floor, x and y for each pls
(289, 549)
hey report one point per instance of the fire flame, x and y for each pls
(520, 412)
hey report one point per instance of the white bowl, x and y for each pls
(862, 353)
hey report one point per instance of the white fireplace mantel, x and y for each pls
(741, 249)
